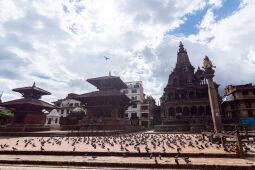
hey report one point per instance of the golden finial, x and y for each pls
(110, 74)
(181, 43)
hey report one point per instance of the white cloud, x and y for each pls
(59, 44)
(216, 3)
(208, 20)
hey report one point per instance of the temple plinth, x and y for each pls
(213, 97)
(105, 108)
(28, 115)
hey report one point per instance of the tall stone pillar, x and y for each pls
(213, 96)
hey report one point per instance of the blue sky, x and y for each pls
(192, 21)
(60, 44)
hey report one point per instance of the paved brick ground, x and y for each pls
(82, 144)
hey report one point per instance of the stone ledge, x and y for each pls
(128, 165)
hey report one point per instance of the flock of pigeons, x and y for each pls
(154, 144)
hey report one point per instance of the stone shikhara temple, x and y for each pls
(28, 111)
(185, 102)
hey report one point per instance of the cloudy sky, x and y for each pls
(60, 43)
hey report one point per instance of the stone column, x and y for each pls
(213, 97)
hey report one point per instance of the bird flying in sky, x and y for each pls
(106, 58)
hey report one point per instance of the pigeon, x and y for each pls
(176, 161)
(156, 161)
(186, 159)
(151, 155)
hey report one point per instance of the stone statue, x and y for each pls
(207, 63)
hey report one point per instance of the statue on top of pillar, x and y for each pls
(208, 66)
(207, 63)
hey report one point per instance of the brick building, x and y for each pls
(239, 102)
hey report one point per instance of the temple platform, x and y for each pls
(23, 128)
(67, 133)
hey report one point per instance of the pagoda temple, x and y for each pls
(185, 102)
(106, 107)
(28, 111)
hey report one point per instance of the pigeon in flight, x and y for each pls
(106, 58)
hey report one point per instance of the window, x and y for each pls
(136, 86)
(191, 94)
(134, 91)
(133, 115)
(144, 107)
(62, 111)
(71, 104)
(56, 120)
(183, 95)
(134, 97)
(76, 104)
(67, 111)
(250, 113)
(174, 81)
(145, 115)
(49, 121)
(125, 91)
(170, 95)
(126, 114)
(245, 92)
(134, 106)
(234, 114)
(176, 96)
(248, 104)
(189, 82)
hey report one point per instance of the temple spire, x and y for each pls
(181, 48)
(182, 56)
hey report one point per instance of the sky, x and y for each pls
(59, 44)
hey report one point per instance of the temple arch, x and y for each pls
(171, 111)
(178, 110)
(193, 110)
(186, 111)
(201, 110)
(208, 110)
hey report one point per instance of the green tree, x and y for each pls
(5, 116)
(6, 113)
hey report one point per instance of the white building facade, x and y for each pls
(65, 106)
(136, 112)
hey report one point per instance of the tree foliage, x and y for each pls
(6, 113)
(79, 114)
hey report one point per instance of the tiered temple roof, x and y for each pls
(31, 95)
(109, 87)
